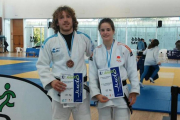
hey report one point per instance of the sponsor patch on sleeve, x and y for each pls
(129, 49)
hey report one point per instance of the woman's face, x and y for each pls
(106, 32)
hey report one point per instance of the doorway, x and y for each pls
(17, 33)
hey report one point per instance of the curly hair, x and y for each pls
(153, 44)
(58, 11)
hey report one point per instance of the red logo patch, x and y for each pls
(118, 59)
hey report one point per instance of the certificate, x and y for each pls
(74, 88)
(110, 82)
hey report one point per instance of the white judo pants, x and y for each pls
(118, 113)
(81, 112)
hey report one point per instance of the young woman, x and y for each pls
(113, 54)
(151, 59)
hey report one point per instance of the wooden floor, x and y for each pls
(137, 115)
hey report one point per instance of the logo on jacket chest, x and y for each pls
(118, 59)
(54, 50)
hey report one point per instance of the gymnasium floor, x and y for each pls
(154, 97)
(25, 68)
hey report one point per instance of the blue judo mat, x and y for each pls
(152, 98)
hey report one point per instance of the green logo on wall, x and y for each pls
(8, 93)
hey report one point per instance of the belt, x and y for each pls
(127, 101)
(124, 82)
(85, 78)
(126, 98)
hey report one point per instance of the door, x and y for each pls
(18, 41)
(17, 33)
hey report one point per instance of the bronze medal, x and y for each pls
(70, 63)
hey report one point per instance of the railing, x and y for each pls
(175, 90)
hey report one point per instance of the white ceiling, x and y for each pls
(92, 8)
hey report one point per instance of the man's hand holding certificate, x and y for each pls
(74, 89)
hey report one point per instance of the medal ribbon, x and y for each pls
(109, 60)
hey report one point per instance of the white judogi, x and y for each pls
(54, 50)
(121, 56)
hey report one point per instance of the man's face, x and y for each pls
(65, 23)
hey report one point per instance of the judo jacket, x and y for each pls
(54, 50)
(122, 57)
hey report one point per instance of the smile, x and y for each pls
(105, 36)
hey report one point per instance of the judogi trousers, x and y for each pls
(80, 112)
(117, 114)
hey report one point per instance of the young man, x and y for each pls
(145, 45)
(140, 45)
(66, 51)
(5, 46)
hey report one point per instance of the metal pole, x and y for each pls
(174, 94)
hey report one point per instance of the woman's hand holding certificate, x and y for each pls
(102, 98)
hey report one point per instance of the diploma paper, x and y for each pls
(110, 82)
(74, 88)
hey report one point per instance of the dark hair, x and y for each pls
(153, 44)
(177, 45)
(142, 39)
(58, 11)
(106, 20)
(177, 42)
